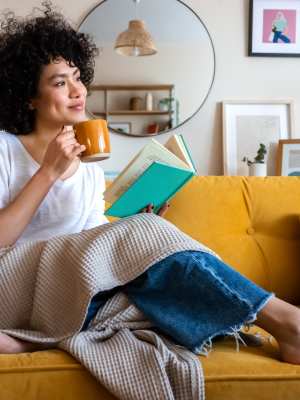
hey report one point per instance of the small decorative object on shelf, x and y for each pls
(172, 105)
(153, 128)
(165, 104)
(257, 167)
(136, 103)
(149, 101)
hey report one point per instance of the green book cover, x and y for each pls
(156, 185)
(188, 152)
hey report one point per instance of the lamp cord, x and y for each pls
(136, 8)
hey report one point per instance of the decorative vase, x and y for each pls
(136, 103)
(149, 101)
(258, 169)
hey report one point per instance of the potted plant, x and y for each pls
(170, 104)
(257, 167)
(166, 104)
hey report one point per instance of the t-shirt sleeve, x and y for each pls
(96, 216)
(4, 174)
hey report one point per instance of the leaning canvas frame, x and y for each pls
(288, 157)
(246, 123)
(265, 16)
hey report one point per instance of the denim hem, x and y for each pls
(193, 297)
(206, 347)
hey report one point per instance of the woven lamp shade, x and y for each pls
(135, 41)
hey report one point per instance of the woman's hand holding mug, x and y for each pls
(61, 152)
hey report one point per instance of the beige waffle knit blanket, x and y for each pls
(46, 287)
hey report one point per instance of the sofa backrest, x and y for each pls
(251, 222)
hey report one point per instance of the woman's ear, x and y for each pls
(32, 104)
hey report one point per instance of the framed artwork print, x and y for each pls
(246, 124)
(122, 127)
(288, 157)
(274, 28)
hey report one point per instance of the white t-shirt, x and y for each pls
(71, 205)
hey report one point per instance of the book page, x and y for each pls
(175, 146)
(153, 151)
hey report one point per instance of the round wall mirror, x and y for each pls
(155, 67)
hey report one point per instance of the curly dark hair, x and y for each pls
(28, 44)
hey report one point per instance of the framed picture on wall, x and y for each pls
(122, 127)
(246, 124)
(274, 28)
(288, 157)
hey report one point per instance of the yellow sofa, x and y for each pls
(253, 223)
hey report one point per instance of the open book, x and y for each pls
(153, 176)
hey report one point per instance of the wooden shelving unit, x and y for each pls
(106, 89)
(131, 112)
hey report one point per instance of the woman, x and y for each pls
(279, 27)
(45, 67)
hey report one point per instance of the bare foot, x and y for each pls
(11, 345)
(290, 352)
(282, 320)
(289, 341)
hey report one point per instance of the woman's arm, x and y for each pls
(14, 218)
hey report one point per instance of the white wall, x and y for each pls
(237, 77)
(164, 68)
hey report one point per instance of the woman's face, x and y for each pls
(61, 95)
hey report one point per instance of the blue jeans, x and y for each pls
(193, 296)
(279, 35)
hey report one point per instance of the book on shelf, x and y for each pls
(153, 176)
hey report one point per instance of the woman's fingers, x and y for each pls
(67, 130)
(77, 149)
(66, 133)
(149, 209)
(66, 140)
(163, 209)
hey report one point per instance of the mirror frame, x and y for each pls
(208, 91)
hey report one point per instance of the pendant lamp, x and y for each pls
(135, 41)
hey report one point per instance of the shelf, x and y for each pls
(131, 87)
(133, 112)
(109, 109)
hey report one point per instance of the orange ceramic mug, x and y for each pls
(94, 135)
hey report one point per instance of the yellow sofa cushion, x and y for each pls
(47, 375)
(252, 373)
(252, 223)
